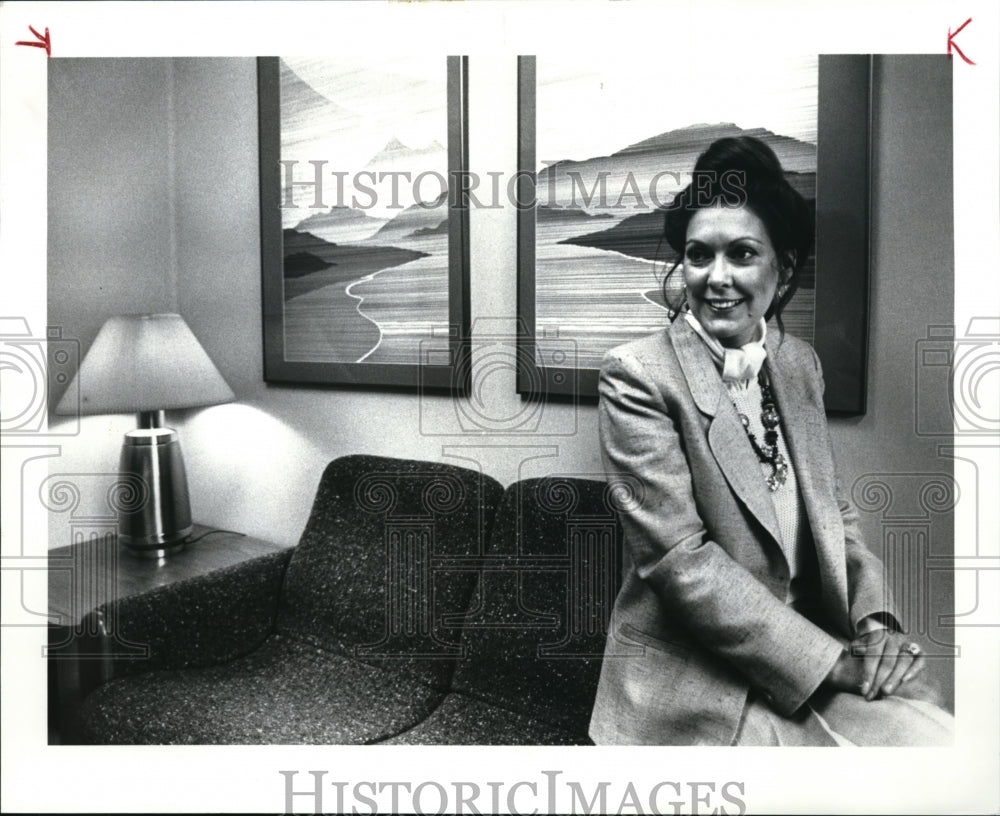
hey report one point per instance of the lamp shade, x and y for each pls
(144, 363)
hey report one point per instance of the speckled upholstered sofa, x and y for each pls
(423, 604)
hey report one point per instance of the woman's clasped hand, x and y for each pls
(879, 663)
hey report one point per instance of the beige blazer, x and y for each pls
(701, 616)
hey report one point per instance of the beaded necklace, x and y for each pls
(768, 453)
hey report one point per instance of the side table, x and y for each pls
(87, 574)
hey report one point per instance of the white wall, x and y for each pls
(111, 191)
(112, 233)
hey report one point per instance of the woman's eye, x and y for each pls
(696, 255)
(743, 253)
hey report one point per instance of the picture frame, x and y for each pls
(835, 322)
(367, 283)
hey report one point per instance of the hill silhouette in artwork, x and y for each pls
(695, 138)
(440, 229)
(567, 215)
(641, 235)
(345, 262)
(657, 167)
(303, 263)
(638, 236)
(339, 217)
(428, 215)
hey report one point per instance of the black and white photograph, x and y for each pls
(499, 408)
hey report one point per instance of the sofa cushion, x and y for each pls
(461, 720)
(384, 557)
(286, 692)
(535, 637)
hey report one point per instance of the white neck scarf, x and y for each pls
(739, 364)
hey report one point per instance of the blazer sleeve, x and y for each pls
(868, 593)
(723, 607)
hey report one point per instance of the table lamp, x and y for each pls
(146, 364)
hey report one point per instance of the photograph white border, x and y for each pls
(42, 778)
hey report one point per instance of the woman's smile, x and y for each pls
(723, 305)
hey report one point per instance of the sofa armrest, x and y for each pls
(199, 621)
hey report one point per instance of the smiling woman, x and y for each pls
(731, 273)
(751, 612)
(739, 196)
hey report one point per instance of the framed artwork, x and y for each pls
(364, 239)
(604, 145)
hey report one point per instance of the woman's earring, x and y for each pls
(779, 293)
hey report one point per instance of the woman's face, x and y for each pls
(731, 272)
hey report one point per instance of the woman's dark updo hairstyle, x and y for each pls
(738, 171)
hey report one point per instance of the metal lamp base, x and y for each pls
(154, 509)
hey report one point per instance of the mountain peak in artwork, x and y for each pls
(336, 214)
(440, 201)
(394, 146)
(417, 219)
(396, 151)
(340, 224)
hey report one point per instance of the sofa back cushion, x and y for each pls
(384, 557)
(535, 639)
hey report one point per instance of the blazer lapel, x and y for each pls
(805, 433)
(726, 437)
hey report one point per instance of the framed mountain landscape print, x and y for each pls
(605, 144)
(364, 239)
